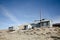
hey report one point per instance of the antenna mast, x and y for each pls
(40, 14)
(40, 17)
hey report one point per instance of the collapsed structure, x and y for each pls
(39, 23)
(36, 24)
(44, 23)
(13, 28)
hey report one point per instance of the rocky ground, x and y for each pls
(33, 34)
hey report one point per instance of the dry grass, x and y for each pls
(36, 34)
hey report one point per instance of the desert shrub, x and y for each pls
(55, 29)
(24, 32)
(43, 29)
(48, 33)
(34, 32)
(38, 34)
(38, 30)
(58, 33)
(59, 29)
(0, 32)
(42, 34)
(31, 33)
(55, 37)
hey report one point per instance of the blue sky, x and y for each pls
(17, 12)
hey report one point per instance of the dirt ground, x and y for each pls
(36, 34)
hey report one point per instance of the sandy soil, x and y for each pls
(36, 34)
